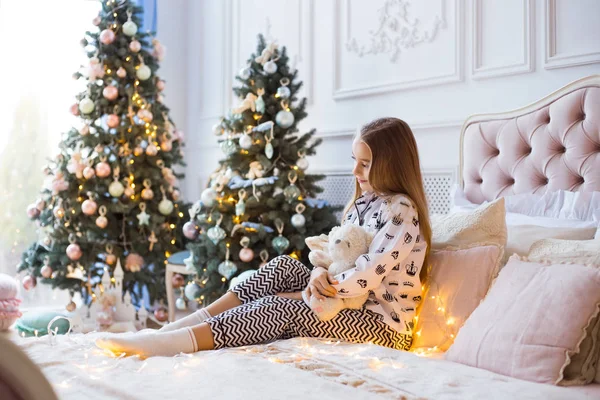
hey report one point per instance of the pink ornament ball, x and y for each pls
(144, 114)
(110, 92)
(107, 36)
(121, 72)
(85, 130)
(246, 255)
(33, 212)
(101, 222)
(166, 146)
(40, 204)
(29, 282)
(129, 191)
(89, 207)
(176, 195)
(161, 314)
(179, 135)
(102, 169)
(46, 271)
(177, 281)
(134, 262)
(96, 21)
(111, 259)
(190, 230)
(160, 85)
(74, 252)
(89, 172)
(75, 109)
(151, 150)
(135, 46)
(113, 121)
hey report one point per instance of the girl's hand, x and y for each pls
(320, 284)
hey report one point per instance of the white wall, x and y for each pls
(475, 56)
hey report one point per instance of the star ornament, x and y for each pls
(143, 218)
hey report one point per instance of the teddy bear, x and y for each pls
(337, 252)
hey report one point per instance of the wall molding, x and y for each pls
(340, 93)
(552, 58)
(348, 133)
(480, 71)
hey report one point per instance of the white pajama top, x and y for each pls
(389, 272)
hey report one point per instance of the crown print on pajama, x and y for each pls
(390, 271)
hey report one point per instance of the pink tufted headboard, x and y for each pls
(549, 145)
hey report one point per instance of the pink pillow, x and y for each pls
(458, 281)
(531, 322)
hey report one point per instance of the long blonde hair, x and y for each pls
(395, 169)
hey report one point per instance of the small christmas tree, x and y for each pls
(260, 202)
(112, 191)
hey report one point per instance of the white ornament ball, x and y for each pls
(86, 105)
(270, 67)
(130, 28)
(165, 207)
(245, 73)
(208, 197)
(180, 304)
(217, 129)
(116, 189)
(284, 119)
(298, 220)
(302, 163)
(143, 72)
(245, 142)
(89, 172)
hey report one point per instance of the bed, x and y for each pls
(502, 154)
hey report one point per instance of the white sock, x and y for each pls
(151, 344)
(195, 318)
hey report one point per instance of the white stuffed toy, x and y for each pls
(337, 252)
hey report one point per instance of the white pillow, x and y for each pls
(553, 209)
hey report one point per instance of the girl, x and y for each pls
(390, 201)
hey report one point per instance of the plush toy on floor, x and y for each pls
(337, 252)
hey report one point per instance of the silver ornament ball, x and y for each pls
(298, 220)
(284, 119)
(302, 163)
(245, 142)
(270, 67)
(283, 92)
(245, 73)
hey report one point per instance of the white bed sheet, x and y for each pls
(292, 369)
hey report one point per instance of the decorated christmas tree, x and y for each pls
(260, 202)
(112, 190)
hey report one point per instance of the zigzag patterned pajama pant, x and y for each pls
(264, 317)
